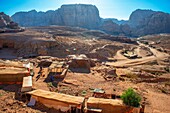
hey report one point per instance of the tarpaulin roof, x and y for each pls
(75, 100)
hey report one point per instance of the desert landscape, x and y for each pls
(64, 66)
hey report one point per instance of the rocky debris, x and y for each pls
(69, 15)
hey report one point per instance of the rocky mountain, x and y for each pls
(68, 15)
(141, 22)
(6, 22)
(7, 25)
(119, 22)
(138, 17)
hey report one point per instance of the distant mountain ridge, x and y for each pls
(68, 15)
(141, 22)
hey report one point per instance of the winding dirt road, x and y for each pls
(157, 56)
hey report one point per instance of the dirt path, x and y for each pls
(119, 56)
(132, 62)
(155, 52)
(39, 83)
(138, 52)
(157, 56)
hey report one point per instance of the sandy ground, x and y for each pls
(156, 101)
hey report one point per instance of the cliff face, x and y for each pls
(7, 25)
(110, 27)
(69, 15)
(139, 17)
(6, 22)
(141, 22)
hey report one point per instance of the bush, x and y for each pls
(131, 98)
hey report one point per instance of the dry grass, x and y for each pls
(131, 75)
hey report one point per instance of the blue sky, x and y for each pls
(120, 9)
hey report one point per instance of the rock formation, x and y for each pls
(138, 17)
(144, 22)
(6, 22)
(141, 22)
(68, 15)
(110, 27)
(7, 25)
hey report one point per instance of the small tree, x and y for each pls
(131, 98)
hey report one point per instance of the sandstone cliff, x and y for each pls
(151, 22)
(139, 17)
(68, 15)
(141, 22)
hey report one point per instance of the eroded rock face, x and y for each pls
(144, 22)
(7, 25)
(110, 27)
(139, 17)
(80, 15)
(141, 22)
(6, 22)
(69, 15)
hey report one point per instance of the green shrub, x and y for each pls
(131, 98)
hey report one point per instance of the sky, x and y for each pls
(120, 9)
